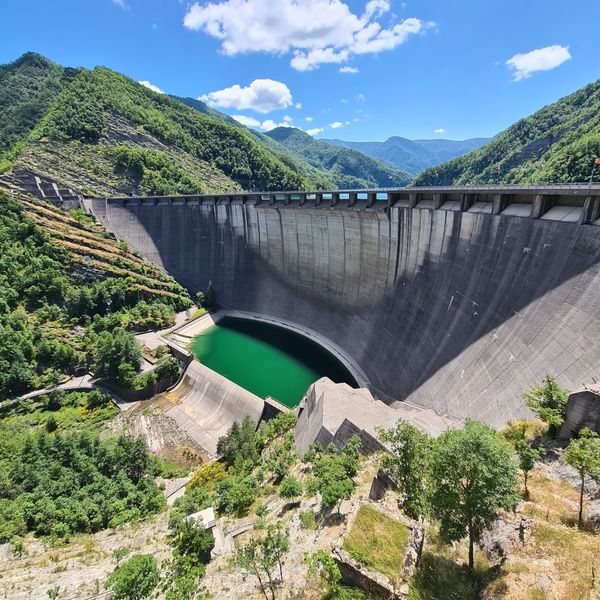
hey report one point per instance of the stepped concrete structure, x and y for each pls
(43, 189)
(452, 299)
(331, 413)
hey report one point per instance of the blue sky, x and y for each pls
(418, 69)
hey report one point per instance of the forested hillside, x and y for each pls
(322, 175)
(101, 132)
(559, 143)
(71, 296)
(347, 168)
(27, 87)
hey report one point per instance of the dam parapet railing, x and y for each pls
(574, 203)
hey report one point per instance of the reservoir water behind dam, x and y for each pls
(267, 360)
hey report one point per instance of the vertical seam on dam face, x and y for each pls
(456, 311)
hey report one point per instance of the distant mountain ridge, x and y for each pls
(413, 156)
(557, 144)
(348, 168)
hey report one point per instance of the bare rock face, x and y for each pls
(504, 536)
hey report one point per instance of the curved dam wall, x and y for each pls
(456, 311)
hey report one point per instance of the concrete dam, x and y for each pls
(452, 299)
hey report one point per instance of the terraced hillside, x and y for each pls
(71, 297)
(93, 251)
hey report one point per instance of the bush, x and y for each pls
(134, 579)
(235, 494)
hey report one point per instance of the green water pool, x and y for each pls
(267, 360)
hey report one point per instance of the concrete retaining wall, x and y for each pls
(583, 410)
(456, 311)
(205, 405)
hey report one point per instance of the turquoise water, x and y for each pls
(267, 360)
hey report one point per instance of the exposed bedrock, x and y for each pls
(456, 311)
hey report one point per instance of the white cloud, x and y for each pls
(262, 96)
(309, 119)
(120, 3)
(360, 98)
(336, 125)
(264, 125)
(247, 121)
(298, 105)
(151, 86)
(439, 130)
(315, 31)
(314, 131)
(348, 70)
(542, 59)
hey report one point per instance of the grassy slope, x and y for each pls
(377, 541)
(347, 168)
(556, 144)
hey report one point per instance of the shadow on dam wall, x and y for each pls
(459, 312)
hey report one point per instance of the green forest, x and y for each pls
(347, 168)
(53, 317)
(558, 144)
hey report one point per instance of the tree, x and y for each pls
(322, 564)
(409, 465)
(332, 481)
(239, 444)
(134, 579)
(528, 455)
(583, 454)
(51, 424)
(275, 546)
(210, 297)
(291, 488)
(193, 542)
(252, 558)
(549, 402)
(473, 476)
(117, 355)
(236, 493)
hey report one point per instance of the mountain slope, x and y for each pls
(412, 156)
(27, 87)
(320, 177)
(205, 109)
(346, 167)
(100, 132)
(556, 144)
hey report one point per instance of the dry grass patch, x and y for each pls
(378, 541)
(557, 553)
